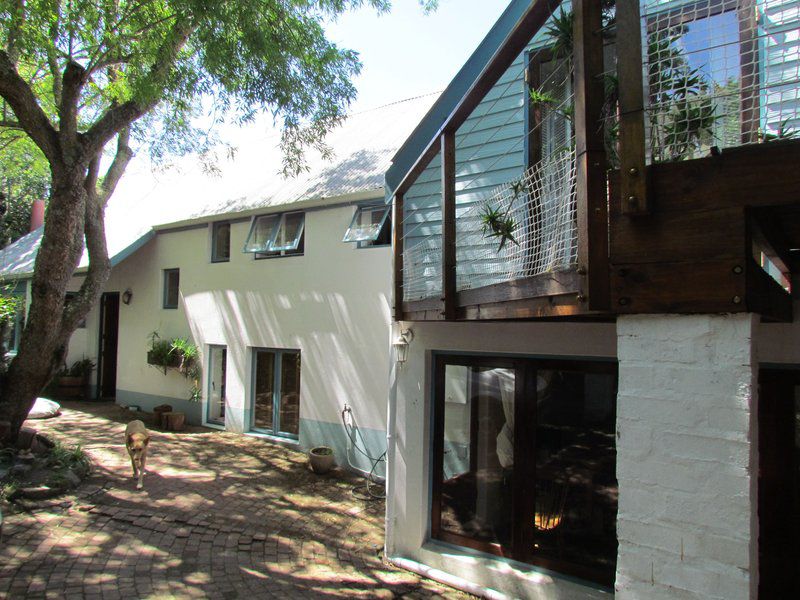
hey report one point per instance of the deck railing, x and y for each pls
(512, 194)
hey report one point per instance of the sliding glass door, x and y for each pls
(276, 392)
(524, 461)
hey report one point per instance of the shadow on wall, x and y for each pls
(342, 362)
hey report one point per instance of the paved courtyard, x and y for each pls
(221, 516)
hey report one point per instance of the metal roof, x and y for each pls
(243, 182)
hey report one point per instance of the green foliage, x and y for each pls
(81, 368)
(9, 307)
(540, 97)
(248, 56)
(24, 177)
(178, 353)
(62, 458)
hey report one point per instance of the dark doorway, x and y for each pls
(107, 354)
(779, 484)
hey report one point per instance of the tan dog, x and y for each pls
(136, 440)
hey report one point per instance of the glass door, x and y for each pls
(276, 392)
(217, 359)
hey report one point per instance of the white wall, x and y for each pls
(332, 304)
(409, 479)
(686, 452)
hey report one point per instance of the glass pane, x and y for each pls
(263, 390)
(261, 232)
(290, 393)
(367, 224)
(478, 453)
(289, 232)
(575, 503)
(216, 385)
(171, 288)
(222, 241)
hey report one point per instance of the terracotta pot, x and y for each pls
(321, 459)
(174, 421)
(159, 412)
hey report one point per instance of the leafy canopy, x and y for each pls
(247, 55)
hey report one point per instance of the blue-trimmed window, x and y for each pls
(220, 242)
(172, 282)
(275, 393)
(371, 226)
(13, 333)
(276, 235)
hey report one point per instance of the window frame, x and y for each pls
(296, 248)
(372, 242)
(224, 385)
(215, 227)
(20, 291)
(525, 371)
(277, 364)
(165, 291)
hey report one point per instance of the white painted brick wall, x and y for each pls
(684, 456)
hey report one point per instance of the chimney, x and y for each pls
(37, 214)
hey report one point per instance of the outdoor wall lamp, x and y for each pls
(127, 296)
(401, 344)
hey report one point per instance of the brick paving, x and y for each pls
(221, 516)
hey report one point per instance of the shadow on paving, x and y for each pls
(222, 515)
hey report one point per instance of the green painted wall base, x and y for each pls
(146, 402)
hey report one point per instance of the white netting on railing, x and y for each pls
(719, 73)
(542, 206)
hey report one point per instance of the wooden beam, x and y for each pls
(531, 22)
(540, 286)
(753, 175)
(766, 297)
(397, 249)
(590, 153)
(449, 224)
(633, 173)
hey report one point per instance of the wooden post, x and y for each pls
(448, 142)
(633, 173)
(592, 209)
(397, 245)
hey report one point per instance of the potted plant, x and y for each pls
(321, 459)
(74, 382)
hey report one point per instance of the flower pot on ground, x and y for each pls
(74, 382)
(159, 412)
(321, 459)
(174, 421)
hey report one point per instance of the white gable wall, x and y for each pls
(332, 304)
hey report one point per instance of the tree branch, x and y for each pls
(15, 30)
(10, 124)
(27, 110)
(52, 55)
(119, 117)
(71, 85)
(117, 168)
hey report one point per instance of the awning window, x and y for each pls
(367, 223)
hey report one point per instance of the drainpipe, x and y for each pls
(391, 445)
(37, 214)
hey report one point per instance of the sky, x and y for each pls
(407, 53)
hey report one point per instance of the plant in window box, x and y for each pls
(160, 353)
(179, 354)
(73, 382)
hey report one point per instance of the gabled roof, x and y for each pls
(431, 124)
(246, 182)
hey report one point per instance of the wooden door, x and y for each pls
(107, 354)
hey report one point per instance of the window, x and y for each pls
(525, 460)
(217, 369)
(276, 235)
(220, 242)
(371, 226)
(171, 287)
(13, 332)
(275, 396)
(69, 298)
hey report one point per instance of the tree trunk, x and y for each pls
(47, 331)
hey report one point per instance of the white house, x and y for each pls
(283, 285)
